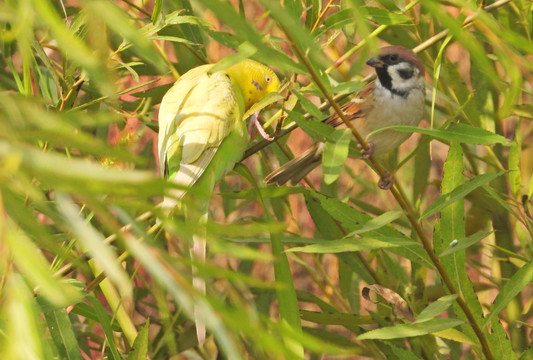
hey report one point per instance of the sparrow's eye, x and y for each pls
(393, 57)
(406, 74)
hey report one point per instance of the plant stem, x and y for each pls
(402, 201)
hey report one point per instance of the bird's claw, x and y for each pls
(386, 182)
(254, 122)
(367, 153)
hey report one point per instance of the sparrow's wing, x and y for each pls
(356, 108)
(294, 171)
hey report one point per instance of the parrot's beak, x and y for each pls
(375, 62)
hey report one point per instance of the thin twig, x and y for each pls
(402, 201)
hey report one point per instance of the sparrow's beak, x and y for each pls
(375, 62)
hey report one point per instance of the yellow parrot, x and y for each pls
(202, 135)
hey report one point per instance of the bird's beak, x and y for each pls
(375, 62)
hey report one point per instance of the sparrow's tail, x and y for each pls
(296, 169)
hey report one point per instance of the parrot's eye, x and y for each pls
(268, 79)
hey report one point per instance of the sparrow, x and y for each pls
(396, 97)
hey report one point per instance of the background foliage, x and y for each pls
(437, 268)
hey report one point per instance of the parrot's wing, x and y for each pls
(206, 114)
(171, 105)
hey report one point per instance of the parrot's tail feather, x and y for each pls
(296, 169)
(198, 254)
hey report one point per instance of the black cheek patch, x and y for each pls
(384, 77)
(257, 86)
(406, 74)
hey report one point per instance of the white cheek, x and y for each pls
(401, 84)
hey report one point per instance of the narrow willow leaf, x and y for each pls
(21, 334)
(244, 31)
(62, 334)
(303, 40)
(461, 133)
(334, 157)
(70, 174)
(404, 354)
(353, 219)
(308, 105)
(93, 242)
(156, 11)
(267, 193)
(246, 50)
(378, 222)
(385, 17)
(522, 278)
(31, 262)
(183, 293)
(350, 245)
(436, 308)
(116, 20)
(410, 330)
(316, 129)
(140, 345)
(338, 20)
(461, 244)
(455, 335)
(459, 193)
(334, 318)
(287, 300)
(515, 176)
(72, 45)
(104, 319)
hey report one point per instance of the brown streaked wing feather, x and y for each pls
(355, 108)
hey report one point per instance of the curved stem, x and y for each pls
(402, 201)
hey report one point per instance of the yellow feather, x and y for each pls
(198, 113)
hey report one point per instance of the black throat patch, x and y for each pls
(386, 81)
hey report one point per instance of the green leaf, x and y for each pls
(515, 176)
(461, 244)
(347, 245)
(404, 354)
(104, 319)
(62, 334)
(93, 243)
(115, 18)
(30, 261)
(459, 132)
(378, 222)
(334, 156)
(140, 345)
(22, 333)
(436, 308)
(244, 31)
(308, 105)
(246, 50)
(522, 278)
(459, 193)
(72, 45)
(316, 129)
(338, 20)
(410, 330)
(385, 17)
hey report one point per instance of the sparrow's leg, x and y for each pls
(367, 153)
(386, 182)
